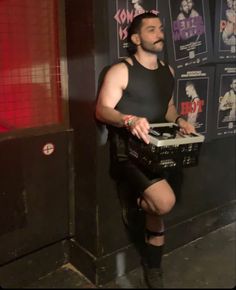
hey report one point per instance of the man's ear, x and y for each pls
(135, 39)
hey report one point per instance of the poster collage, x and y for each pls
(200, 44)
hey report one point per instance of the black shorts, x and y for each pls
(132, 175)
(138, 178)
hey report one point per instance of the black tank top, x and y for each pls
(147, 95)
(148, 91)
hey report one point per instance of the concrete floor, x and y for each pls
(208, 262)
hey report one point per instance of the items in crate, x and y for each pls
(168, 148)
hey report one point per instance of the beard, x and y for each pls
(152, 47)
(186, 14)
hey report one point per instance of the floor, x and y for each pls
(208, 262)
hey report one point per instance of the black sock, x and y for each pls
(153, 255)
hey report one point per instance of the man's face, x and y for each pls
(151, 35)
(190, 4)
(189, 91)
(234, 5)
(230, 3)
(185, 7)
(233, 86)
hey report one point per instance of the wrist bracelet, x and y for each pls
(176, 120)
(128, 120)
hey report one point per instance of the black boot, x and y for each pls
(151, 264)
(153, 277)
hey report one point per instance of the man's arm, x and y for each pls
(192, 117)
(110, 94)
(171, 113)
(224, 103)
(171, 116)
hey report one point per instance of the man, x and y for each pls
(135, 93)
(186, 10)
(137, 6)
(196, 103)
(192, 11)
(229, 31)
(228, 103)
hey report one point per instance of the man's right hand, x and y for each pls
(139, 127)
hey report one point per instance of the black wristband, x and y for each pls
(176, 120)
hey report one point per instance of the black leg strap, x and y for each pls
(154, 234)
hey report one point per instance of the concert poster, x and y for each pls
(189, 40)
(225, 101)
(225, 30)
(121, 14)
(193, 97)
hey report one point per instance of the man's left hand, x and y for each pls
(186, 127)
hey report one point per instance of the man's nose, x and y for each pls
(160, 34)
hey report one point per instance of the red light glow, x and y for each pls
(30, 91)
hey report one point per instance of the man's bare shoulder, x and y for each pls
(118, 74)
(119, 67)
(181, 16)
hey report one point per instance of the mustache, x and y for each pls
(160, 40)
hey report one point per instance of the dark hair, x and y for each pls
(135, 27)
(190, 83)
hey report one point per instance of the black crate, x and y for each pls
(156, 158)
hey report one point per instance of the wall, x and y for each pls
(35, 184)
(207, 198)
(34, 205)
(100, 247)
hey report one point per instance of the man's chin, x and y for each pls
(160, 47)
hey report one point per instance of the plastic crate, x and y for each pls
(167, 151)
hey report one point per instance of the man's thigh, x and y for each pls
(139, 180)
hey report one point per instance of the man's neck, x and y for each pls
(148, 60)
(195, 96)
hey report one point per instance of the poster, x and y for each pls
(225, 30)
(121, 14)
(225, 101)
(193, 97)
(189, 41)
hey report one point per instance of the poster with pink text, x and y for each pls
(193, 96)
(121, 14)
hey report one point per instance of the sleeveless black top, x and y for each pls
(148, 92)
(147, 95)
